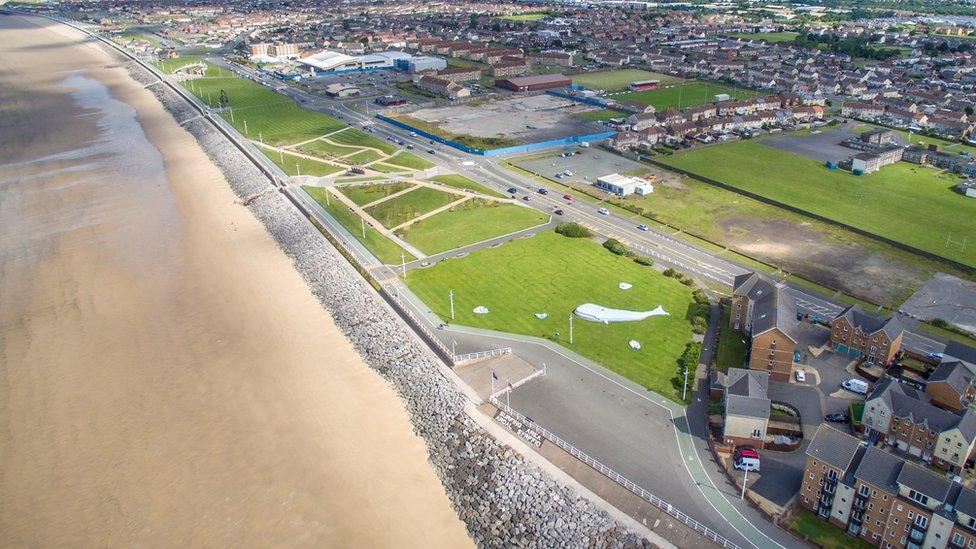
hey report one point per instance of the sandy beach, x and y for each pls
(166, 377)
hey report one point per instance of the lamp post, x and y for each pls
(684, 391)
(450, 295)
(570, 328)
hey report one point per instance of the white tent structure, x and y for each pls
(596, 313)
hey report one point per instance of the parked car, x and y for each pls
(512, 190)
(558, 212)
(855, 386)
(643, 227)
(800, 375)
(603, 211)
(937, 356)
(746, 458)
(837, 418)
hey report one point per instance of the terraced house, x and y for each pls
(762, 311)
(879, 497)
(907, 420)
(951, 385)
(861, 335)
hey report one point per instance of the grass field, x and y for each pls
(732, 345)
(355, 138)
(326, 150)
(409, 160)
(774, 37)
(364, 194)
(364, 156)
(388, 168)
(602, 114)
(688, 94)
(463, 183)
(409, 206)
(382, 247)
(471, 221)
(523, 16)
(615, 80)
(297, 165)
(904, 202)
(823, 534)
(139, 35)
(171, 65)
(552, 274)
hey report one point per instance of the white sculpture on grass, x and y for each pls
(597, 313)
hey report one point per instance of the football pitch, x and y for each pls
(618, 79)
(687, 94)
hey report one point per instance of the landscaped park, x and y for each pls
(531, 286)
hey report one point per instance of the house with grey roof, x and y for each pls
(767, 314)
(746, 397)
(952, 385)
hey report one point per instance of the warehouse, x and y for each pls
(327, 62)
(534, 83)
(622, 185)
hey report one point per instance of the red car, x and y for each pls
(567, 197)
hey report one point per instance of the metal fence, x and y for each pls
(618, 478)
(482, 354)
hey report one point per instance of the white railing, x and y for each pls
(618, 478)
(419, 324)
(458, 359)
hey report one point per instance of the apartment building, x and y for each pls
(861, 335)
(768, 315)
(879, 497)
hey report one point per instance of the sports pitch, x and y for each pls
(616, 80)
(687, 94)
(903, 202)
(552, 274)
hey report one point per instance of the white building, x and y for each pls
(622, 185)
(333, 61)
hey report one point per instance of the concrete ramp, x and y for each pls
(508, 368)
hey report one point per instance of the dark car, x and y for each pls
(837, 418)
(558, 212)
(526, 198)
(430, 151)
(543, 190)
(512, 190)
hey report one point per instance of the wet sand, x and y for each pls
(166, 378)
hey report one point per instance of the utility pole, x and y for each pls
(281, 155)
(450, 295)
(261, 138)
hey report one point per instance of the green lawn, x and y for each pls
(904, 202)
(823, 534)
(602, 114)
(614, 80)
(387, 168)
(409, 206)
(523, 16)
(297, 165)
(363, 157)
(409, 160)
(460, 182)
(688, 94)
(924, 141)
(364, 194)
(382, 247)
(469, 222)
(169, 66)
(139, 35)
(785, 36)
(552, 274)
(355, 138)
(326, 150)
(732, 345)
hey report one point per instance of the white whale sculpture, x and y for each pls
(597, 313)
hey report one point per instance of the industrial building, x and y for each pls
(534, 83)
(622, 185)
(328, 62)
(421, 63)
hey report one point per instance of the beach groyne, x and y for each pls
(502, 499)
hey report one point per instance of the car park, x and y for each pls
(837, 418)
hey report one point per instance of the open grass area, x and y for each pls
(923, 140)
(364, 194)
(169, 66)
(774, 37)
(614, 80)
(948, 334)
(326, 150)
(409, 160)
(355, 138)
(364, 156)
(297, 165)
(388, 168)
(552, 274)
(732, 345)
(904, 202)
(469, 222)
(486, 143)
(823, 534)
(687, 94)
(382, 247)
(143, 36)
(460, 182)
(523, 16)
(413, 204)
(602, 114)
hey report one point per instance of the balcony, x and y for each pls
(860, 503)
(916, 535)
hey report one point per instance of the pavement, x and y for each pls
(947, 297)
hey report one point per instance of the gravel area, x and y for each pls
(504, 500)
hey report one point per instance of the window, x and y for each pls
(870, 507)
(958, 539)
(919, 497)
(884, 497)
(895, 520)
(921, 521)
(911, 515)
(863, 490)
(899, 508)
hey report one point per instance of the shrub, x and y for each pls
(699, 325)
(670, 272)
(616, 246)
(699, 297)
(686, 280)
(646, 261)
(573, 230)
(940, 323)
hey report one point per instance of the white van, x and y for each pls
(855, 386)
(746, 463)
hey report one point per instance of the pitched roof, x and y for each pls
(772, 308)
(954, 373)
(869, 323)
(833, 447)
(746, 393)
(907, 402)
(965, 353)
(880, 469)
(924, 481)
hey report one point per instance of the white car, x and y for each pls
(643, 228)
(800, 375)
(603, 211)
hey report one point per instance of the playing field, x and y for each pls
(469, 222)
(774, 37)
(523, 16)
(688, 94)
(904, 202)
(619, 79)
(552, 274)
